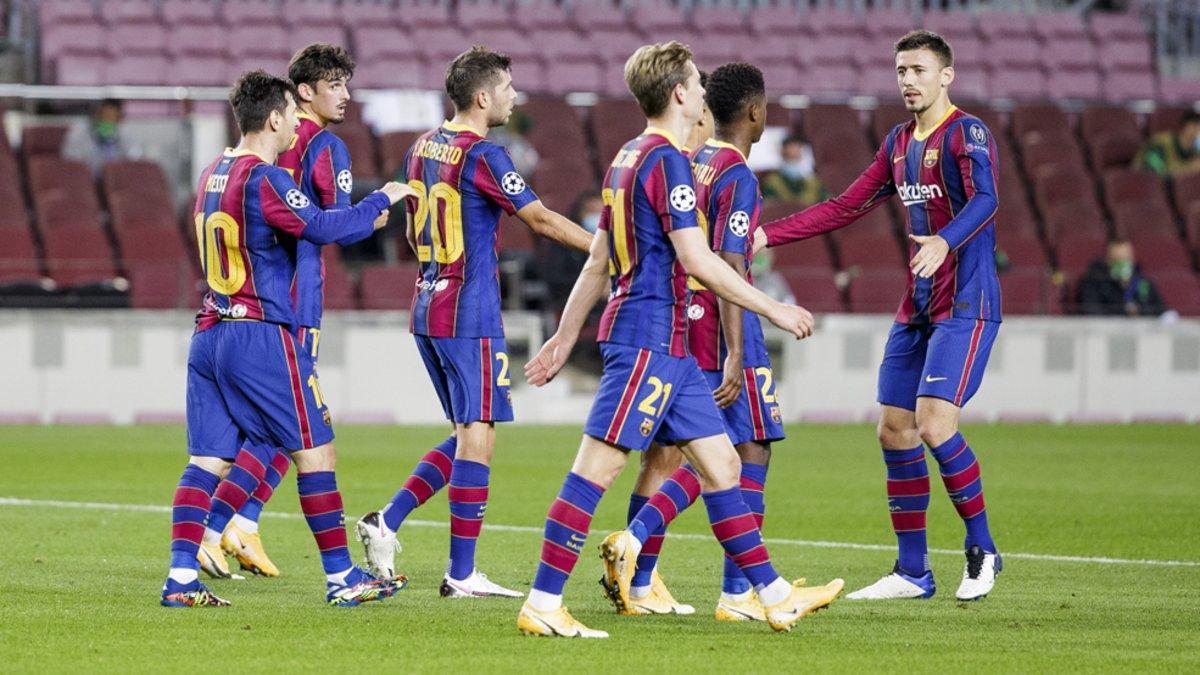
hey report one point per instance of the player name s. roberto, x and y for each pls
(439, 152)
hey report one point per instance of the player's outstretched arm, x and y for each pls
(731, 326)
(589, 288)
(286, 208)
(699, 261)
(555, 226)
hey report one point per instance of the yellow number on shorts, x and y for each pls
(615, 201)
(315, 334)
(502, 379)
(316, 390)
(226, 274)
(768, 394)
(660, 390)
(702, 220)
(444, 221)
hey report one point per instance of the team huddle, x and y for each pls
(686, 381)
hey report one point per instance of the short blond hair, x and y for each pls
(653, 71)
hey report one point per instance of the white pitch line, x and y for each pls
(155, 508)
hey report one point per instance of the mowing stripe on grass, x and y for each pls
(156, 508)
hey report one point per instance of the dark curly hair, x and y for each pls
(731, 88)
(927, 39)
(472, 70)
(255, 95)
(320, 61)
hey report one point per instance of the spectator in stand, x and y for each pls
(796, 178)
(1171, 153)
(1114, 285)
(99, 141)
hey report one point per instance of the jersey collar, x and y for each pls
(722, 144)
(922, 136)
(234, 152)
(457, 128)
(664, 133)
(305, 116)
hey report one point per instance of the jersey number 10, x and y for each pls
(226, 274)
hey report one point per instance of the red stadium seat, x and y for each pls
(388, 286)
(81, 70)
(360, 142)
(1041, 117)
(1126, 186)
(1124, 85)
(19, 261)
(419, 14)
(358, 14)
(716, 20)
(66, 11)
(1096, 121)
(1019, 82)
(1180, 289)
(867, 248)
(883, 25)
(777, 19)
(142, 185)
(185, 12)
(251, 12)
(822, 120)
(392, 148)
(78, 255)
(1076, 250)
(155, 244)
(815, 290)
(1059, 25)
(1158, 251)
(1028, 291)
(589, 16)
(156, 285)
(1000, 26)
(878, 291)
(1114, 149)
(1082, 83)
(138, 69)
(540, 16)
(1114, 26)
(308, 13)
(300, 35)
(338, 287)
(833, 22)
(1165, 118)
(887, 116)
(1186, 188)
(67, 179)
(614, 122)
(1024, 250)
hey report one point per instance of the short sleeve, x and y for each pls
(498, 179)
(737, 212)
(669, 187)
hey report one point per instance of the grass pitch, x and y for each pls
(79, 585)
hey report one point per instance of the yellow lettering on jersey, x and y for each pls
(216, 182)
(702, 220)
(626, 159)
(615, 201)
(704, 173)
(439, 152)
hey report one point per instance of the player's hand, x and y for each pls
(931, 256)
(381, 221)
(731, 382)
(760, 239)
(795, 320)
(548, 361)
(397, 191)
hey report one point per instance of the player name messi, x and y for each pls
(918, 193)
(439, 152)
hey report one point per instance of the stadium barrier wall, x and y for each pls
(129, 367)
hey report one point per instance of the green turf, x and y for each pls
(79, 588)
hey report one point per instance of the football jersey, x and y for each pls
(648, 193)
(243, 204)
(947, 181)
(729, 203)
(320, 164)
(464, 182)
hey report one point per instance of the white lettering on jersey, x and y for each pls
(918, 193)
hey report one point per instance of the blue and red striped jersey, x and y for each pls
(648, 193)
(320, 164)
(244, 204)
(947, 181)
(464, 181)
(729, 206)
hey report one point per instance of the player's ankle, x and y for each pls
(775, 592)
(245, 524)
(543, 601)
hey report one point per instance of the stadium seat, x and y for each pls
(66, 11)
(884, 25)
(19, 260)
(887, 116)
(1180, 290)
(186, 12)
(1165, 118)
(1027, 292)
(392, 148)
(716, 21)
(304, 13)
(77, 255)
(1079, 83)
(1121, 85)
(878, 291)
(1192, 226)
(154, 244)
(1116, 26)
(1075, 250)
(1023, 249)
(1179, 90)
(1114, 149)
(42, 140)
(815, 290)
(138, 69)
(1158, 251)
(137, 195)
(614, 122)
(251, 13)
(999, 26)
(358, 14)
(360, 142)
(1126, 186)
(1186, 188)
(540, 16)
(136, 38)
(1059, 25)
(1043, 117)
(419, 14)
(1057, 148)
(160, 286)
(338, 287)
(63, 178)
(870, 248)
(778, 20)
(820, 120)
(828, 21)
(388, 287)
(603, 16)
(1018, 82)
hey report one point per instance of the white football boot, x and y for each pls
(979, 575)
(475, 586)
(380, 545)
(897, 586)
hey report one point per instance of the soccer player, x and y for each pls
(651, 390)
(463, 183)
(320, 163)
(943, 164)
(727, 343)
(250, 383)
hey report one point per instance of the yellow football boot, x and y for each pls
(247, 548)
(660, 601)
(619, 552)
(212, 561)
(558, 623)
(804, 600)
(750, 609)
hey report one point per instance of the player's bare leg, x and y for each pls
(937, 424)
(468, 492)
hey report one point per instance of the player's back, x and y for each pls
(464, 182)
(247, 268)
(647, 193)
(935, 175)
(729, 203)
(320, 164)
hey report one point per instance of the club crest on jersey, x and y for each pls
(647, 426)
(978, 134)
(775, 416)
(695, 312)
(345, 181)
(739, 223)
(931, 157)
(296, 199)
(512, 183)
(683, 198)
(441, 285)
(918, 194)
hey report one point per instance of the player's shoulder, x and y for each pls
(906, 127)
(975, 129)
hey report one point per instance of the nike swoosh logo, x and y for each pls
(739, 612)
(897, 160)
(931, 379)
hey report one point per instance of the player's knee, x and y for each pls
(935, 430)
(320, 458)
(894, 435)
(755, 453)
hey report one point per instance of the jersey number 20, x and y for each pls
(440, 209)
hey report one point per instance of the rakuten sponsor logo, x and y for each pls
(918, 194)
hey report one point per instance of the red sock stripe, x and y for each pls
(962, 479)
(755, 556)
(316, 505)
(465, 527)
(190, 496)
(664, 505)
(653, 545)
(331, 538)
(419, 488)
(750, 484)
(907, 521)
(467, 495)
(568, 515)
(908, 487)
(972, 507)
(685, 477)
(187, 531)
(440, 462)
(280, 462)
(558, 556)
(250, 463)
(231, 493)
(734, 527)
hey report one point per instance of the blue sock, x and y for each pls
(754, 479)
(960, 475)
(737, 530)
(908, 500)
(322, 506)
(430, 475)
(468, 501)
(193, 499)
(645, 564)
(252, 509)
(567, 525)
